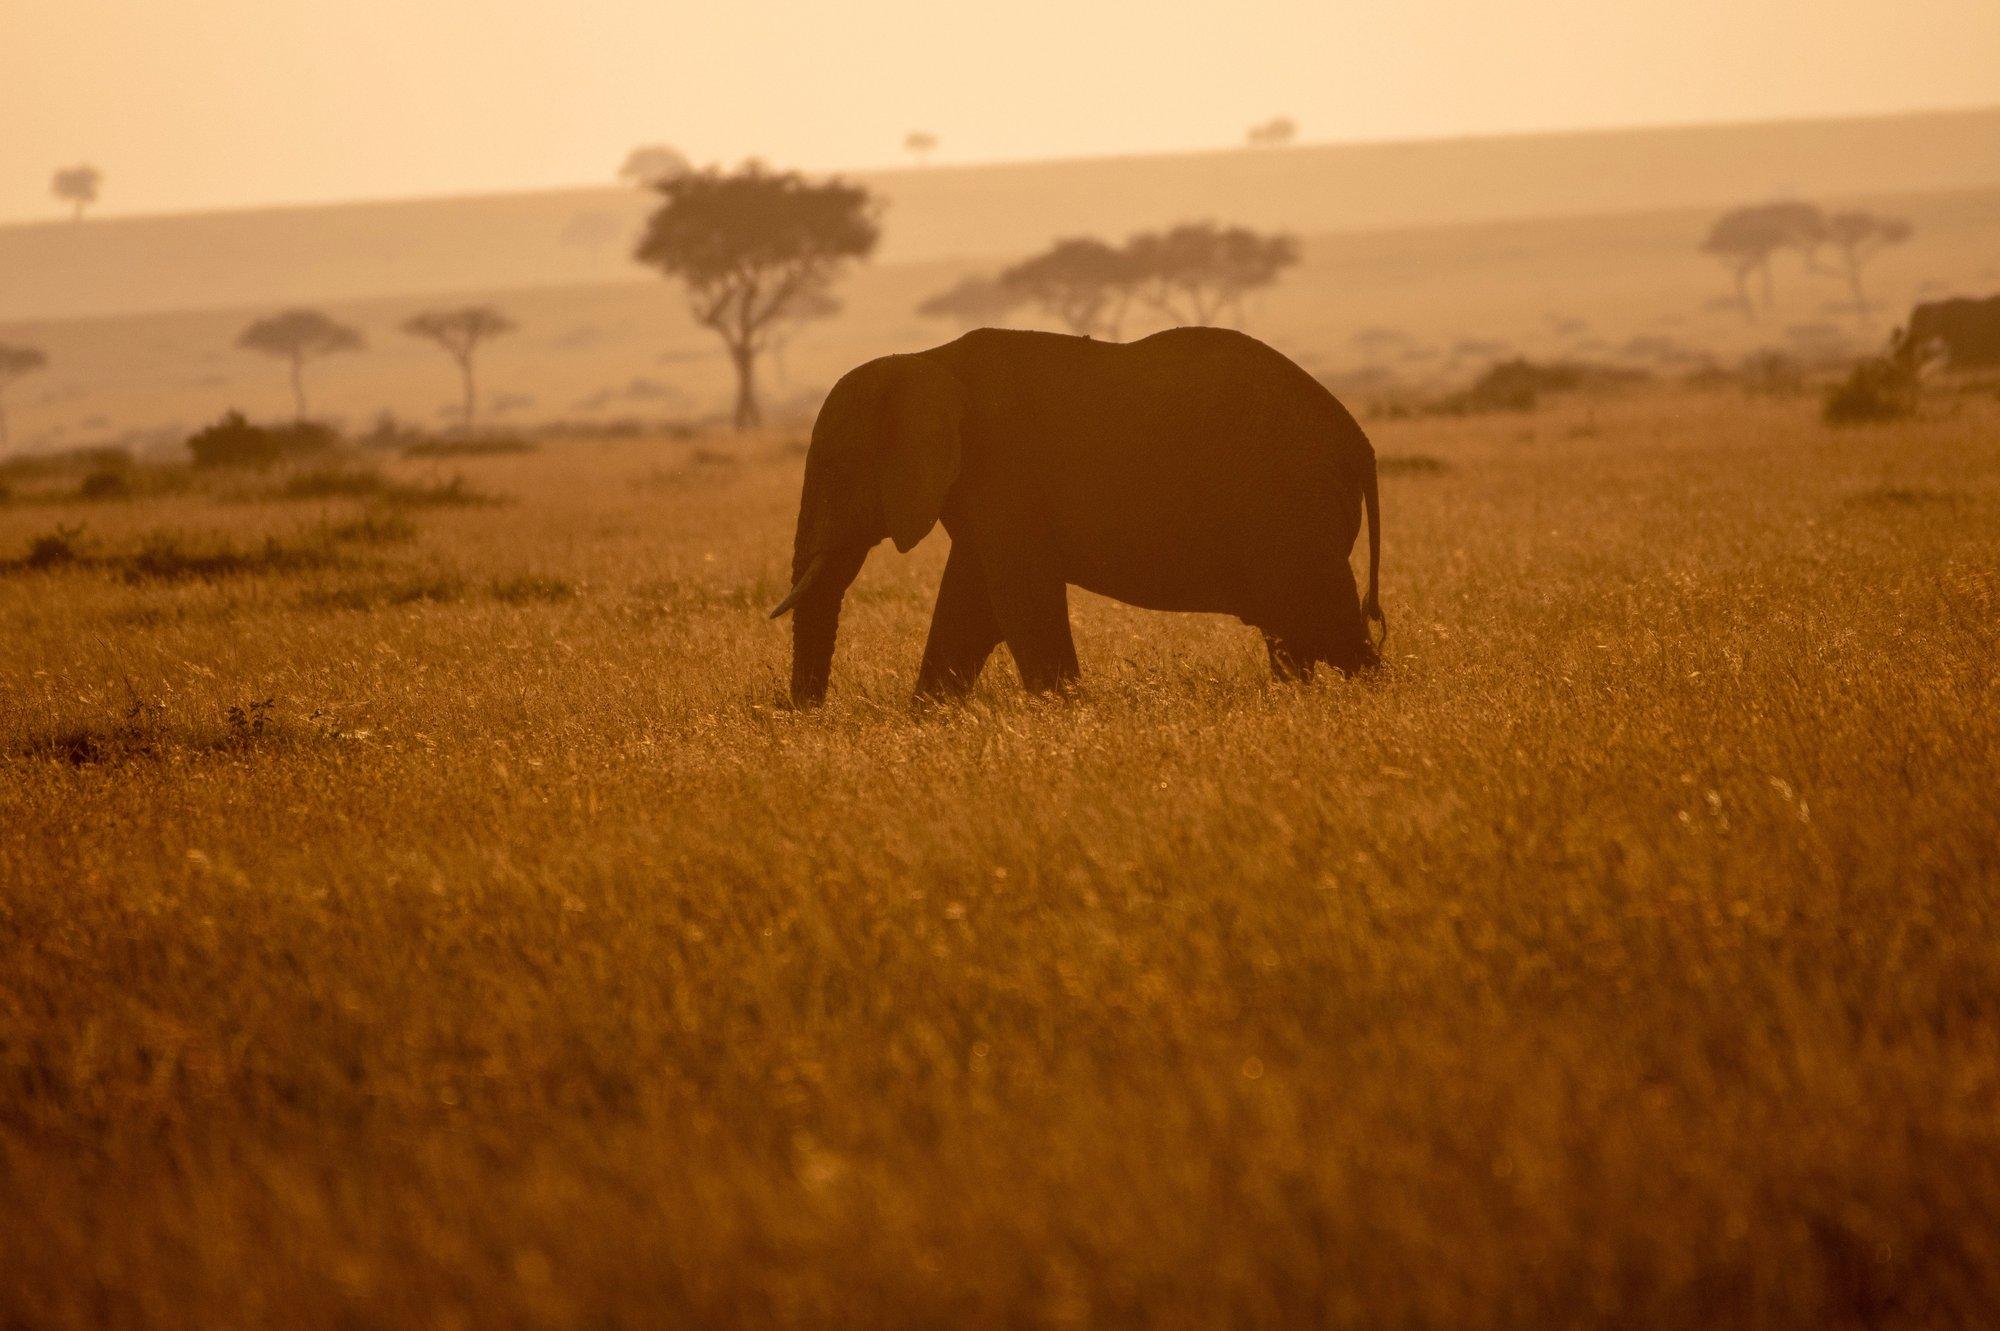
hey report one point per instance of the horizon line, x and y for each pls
(901, 169)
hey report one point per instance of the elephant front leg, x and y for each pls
(964, 631)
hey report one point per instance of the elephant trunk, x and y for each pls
(824, 579)
(824, 564)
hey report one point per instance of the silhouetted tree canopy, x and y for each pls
(299, 336)
(1196, 272)
(459, 332)
(1083, 282)
(972, 302)
(920, 144)
(1746, 239)
(77, 186)
(16, 361)
(652, 164)
(756, 248)
(1856, 237)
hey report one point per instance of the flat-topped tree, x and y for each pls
(459, 332)
(1857, 237)
(1746, 240)
(1196, 272)
(1083, 282)
(16, 361)
(299, 336)
(756, 248)
(77, 186)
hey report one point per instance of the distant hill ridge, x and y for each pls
(497, 243)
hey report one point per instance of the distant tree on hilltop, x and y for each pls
(1273, 133)
(652, 164)
(459, 332)
(77, 186)
(16, 361)
(299, 336)
(920, 144)
(756, 249)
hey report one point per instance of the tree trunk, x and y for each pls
(1769, 298)
(471, 400)
(748, 416)
(1749, 306)
(299, 388)
(1853, 264)
(3, 423)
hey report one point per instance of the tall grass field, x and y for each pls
(418, 907)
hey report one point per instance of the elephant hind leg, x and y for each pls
(964, 630)
(1291, 663)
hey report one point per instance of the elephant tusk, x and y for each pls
(802, 586)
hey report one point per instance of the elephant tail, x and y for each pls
(1371, 606)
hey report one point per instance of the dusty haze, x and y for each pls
(230, 102)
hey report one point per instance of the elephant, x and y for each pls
(1967, 332)
(1197, 469)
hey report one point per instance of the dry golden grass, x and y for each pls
(455, 932)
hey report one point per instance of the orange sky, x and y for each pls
(204, 103)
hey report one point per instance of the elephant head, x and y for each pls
(885, 449)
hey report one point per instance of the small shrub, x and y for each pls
(337, 482)
(171, 557)
(1877, 389)
(105, 484)
(1517, 385)
(57, 549)
(234, 442)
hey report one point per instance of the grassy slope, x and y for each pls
(344, 252)
(1625, 953)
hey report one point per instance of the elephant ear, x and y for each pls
(922, 418)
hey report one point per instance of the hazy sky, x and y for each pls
(200, 103)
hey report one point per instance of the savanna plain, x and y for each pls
(418, 907)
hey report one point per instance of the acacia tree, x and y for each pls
(972, 302)
(1746, 239)
(1857, 237)
(77, 186)
(756, 249)
(1198, 271)
(1082, 281)
(920, 144)
(16, 361)
(460, 332)
(298, 336)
